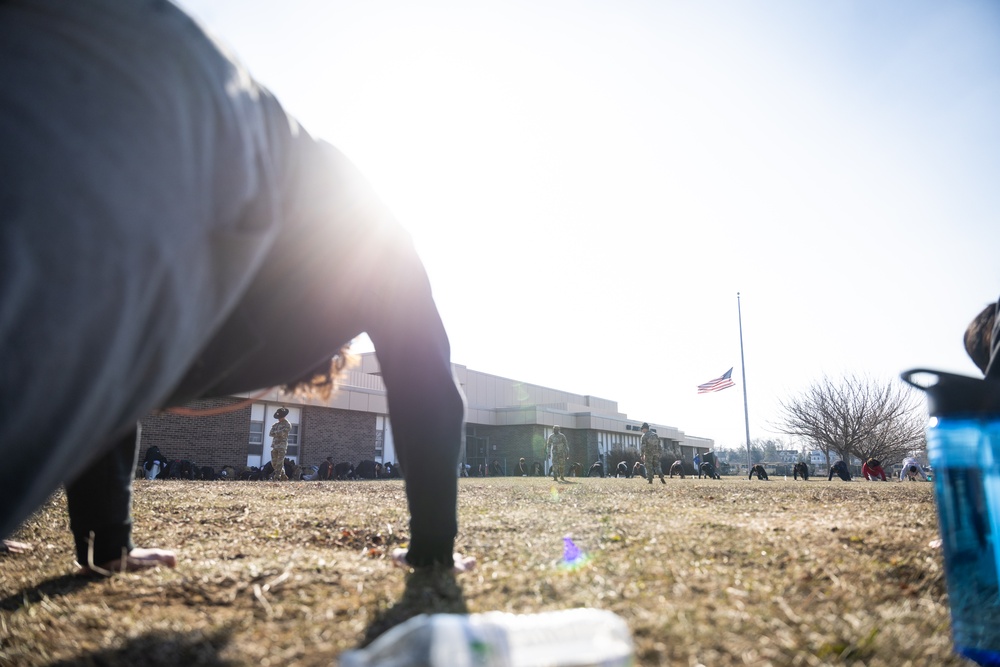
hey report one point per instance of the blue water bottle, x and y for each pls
(963, 446)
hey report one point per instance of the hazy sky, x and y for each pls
(590, 183)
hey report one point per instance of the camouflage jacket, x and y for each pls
(279, 433)
(557, 445)
(650, 446)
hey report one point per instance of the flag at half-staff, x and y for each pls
(718, 384)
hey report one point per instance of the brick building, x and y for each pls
(505, 420)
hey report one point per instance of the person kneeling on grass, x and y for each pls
(140, 242)
(758, 470)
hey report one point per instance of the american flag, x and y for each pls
(718, 384)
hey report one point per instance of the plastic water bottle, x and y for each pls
(963, 444)
(570, 638)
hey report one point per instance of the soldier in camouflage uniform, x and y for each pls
(279, 444)
(558, 446)
(651, 453)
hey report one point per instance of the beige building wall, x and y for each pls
(493, 400)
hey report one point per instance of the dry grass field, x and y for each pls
(705, 572)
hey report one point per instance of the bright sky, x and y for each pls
(590, 183)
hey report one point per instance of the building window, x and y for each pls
(293, 443)
(379, 444)
(256, 447)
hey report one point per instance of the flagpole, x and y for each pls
(743, 369)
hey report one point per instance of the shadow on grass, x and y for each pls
(158, 649)
(51, 588)
(428, 591)
(155, 649)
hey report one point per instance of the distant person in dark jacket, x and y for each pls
(708, 470)
(154, 462)
(841, 470)
(758, 470)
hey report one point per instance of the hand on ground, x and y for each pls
(462, 563)
(138, 559)
(12, 547)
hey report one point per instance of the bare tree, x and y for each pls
(896, 429)
(856, 416)
(768, 449)
(761, 451)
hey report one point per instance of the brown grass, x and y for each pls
(704, 572)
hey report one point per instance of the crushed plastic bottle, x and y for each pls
(569, 638)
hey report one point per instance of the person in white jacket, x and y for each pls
(912, 471)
